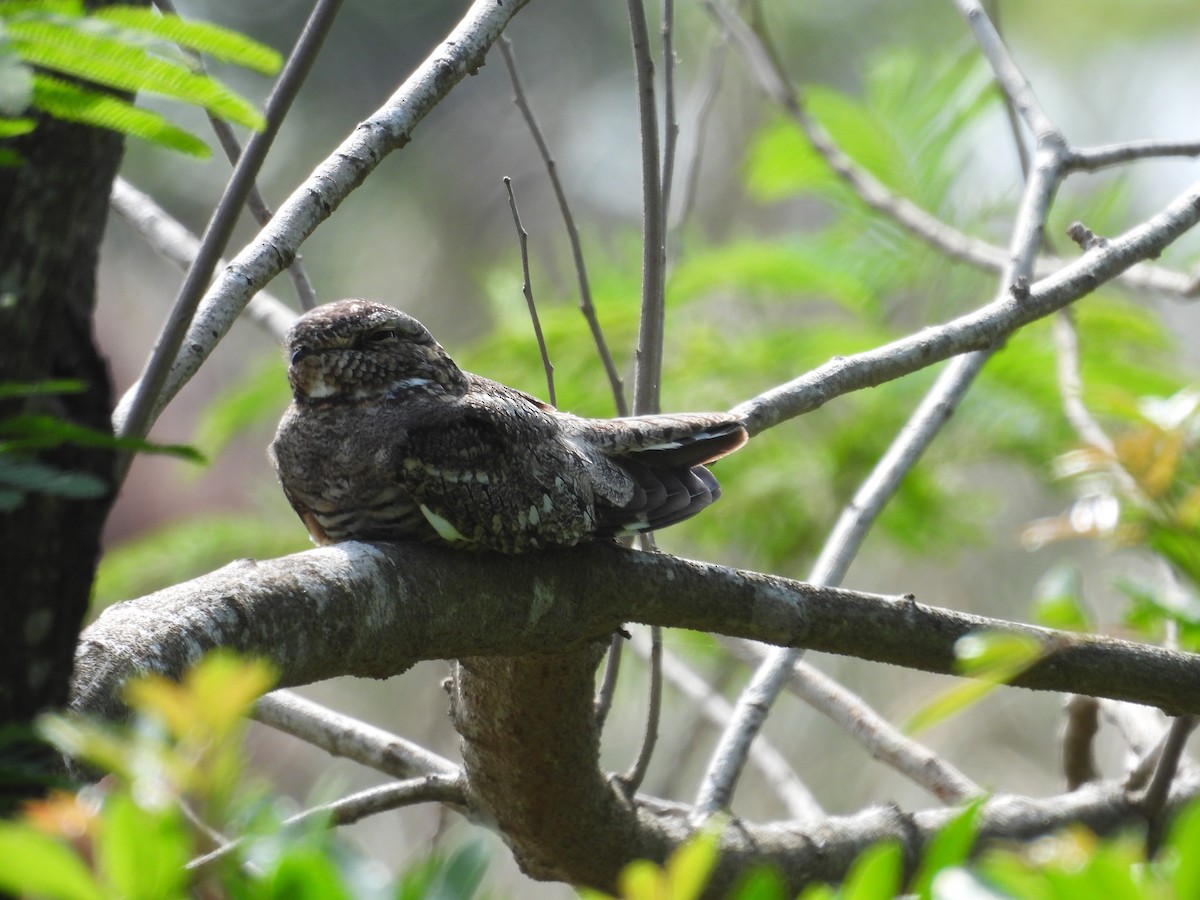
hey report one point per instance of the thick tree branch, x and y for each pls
(397, 604)
(374, 609)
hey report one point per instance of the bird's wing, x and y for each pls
(663, 456)
(686, 439)
(493, 479)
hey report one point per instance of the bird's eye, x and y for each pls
(382, 336)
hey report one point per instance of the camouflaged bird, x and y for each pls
(387, 439)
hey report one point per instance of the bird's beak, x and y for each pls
(299, 353)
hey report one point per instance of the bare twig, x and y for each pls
(585, 291)
(798, 800)
(707, 92)
(1079, 739)
(876, 734)
(358, 806)
(1154, 801)
(1091, 159)
(527, 290)
(1070, 388)
(838, 552)
(608, 682)
(670, 124)
(636, 774)
(341, 735)
(650, 332)
(1009, 76)
(173, 241)
(976, 330)
(150, 386)
(254, 199)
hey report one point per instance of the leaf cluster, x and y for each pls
(60, 59)
(181, 763)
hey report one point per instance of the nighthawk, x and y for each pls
(387, 439)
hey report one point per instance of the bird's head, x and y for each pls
(356, 350)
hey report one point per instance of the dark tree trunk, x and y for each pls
(53, 209)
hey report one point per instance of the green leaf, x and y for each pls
(9, 389)
(303, 873)
(37, 865)
(950, 847)
(142, 852)
(455, 878)
(778, 268)
(876, 874)
(1058, 600)
(689, 868)
(31, 431)
(760, 883)
(115, 63)
(75, 104)
(992, 659)
(203, 37)
(19, 477)
(1182, 842)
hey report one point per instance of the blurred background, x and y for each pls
(774, 268)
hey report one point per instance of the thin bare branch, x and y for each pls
(1079, 740)
(1011, 79)
(1092, 159)
(341, 735)
(918, 222)
(1154, 800)
(358, 806)
(882, 740)
(148, 393)
(797, 799)
(313, 201)
(585, 291)
(650, 333)
(633, 778)
(1070, 389)
(258, 207)
(527, 290)
(729, 757)
(670, 123)
(976, 330)
(608, 681)
(171, 239)
(707, 92)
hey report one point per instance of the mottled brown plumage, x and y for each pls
(387, 439)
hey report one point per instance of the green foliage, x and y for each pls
(23, 434)
(990, 660)
(440, 877)
(44, 46)
(683, 877)
(128, 837)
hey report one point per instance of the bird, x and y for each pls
(387, 439)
